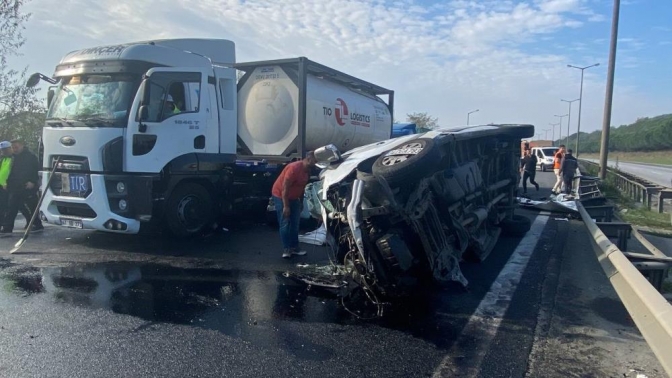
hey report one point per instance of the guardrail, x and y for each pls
(632, 275)
(637, 188)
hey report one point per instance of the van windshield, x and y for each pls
(549, 151)
(94, 99)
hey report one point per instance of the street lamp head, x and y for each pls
(583, 68)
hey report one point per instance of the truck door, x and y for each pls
(172, 115)
(227, 102)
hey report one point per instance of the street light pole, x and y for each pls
(553, 135)
(578, 126)
(468, 114)
(569, 119)
(560, 133)
(606, 122)
(546, 135)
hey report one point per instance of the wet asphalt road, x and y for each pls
(84, 304)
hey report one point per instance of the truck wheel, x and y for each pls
(188, 210)
(407, 163)
(518, 225)
(543, 167)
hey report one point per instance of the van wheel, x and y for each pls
(543, 168)
(408, 162)
(188, 210)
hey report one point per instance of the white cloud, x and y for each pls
(444, 58)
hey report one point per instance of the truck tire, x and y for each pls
(398, 168)
(517, 226)
(543, 167)
(188, 210)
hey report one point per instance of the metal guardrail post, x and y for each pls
(649, 310)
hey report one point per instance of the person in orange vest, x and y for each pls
(557, 164)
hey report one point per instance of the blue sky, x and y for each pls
(506, 58)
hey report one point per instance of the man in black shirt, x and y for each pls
(22, 186)
(529, 170)
(568, 169)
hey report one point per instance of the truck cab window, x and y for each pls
(172, 93)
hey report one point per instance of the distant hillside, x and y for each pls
(647, 134)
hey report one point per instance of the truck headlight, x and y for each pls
(121, 187)
(123, 204)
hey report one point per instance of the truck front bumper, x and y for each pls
(101, 207)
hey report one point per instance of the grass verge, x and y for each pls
(628, 210)
(653, 157)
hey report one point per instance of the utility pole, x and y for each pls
(569, 119)
(553, 135)
(606, 122)
(578, 126)
(560, 134)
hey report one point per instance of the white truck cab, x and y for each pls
(153, 131)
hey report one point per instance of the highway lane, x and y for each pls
(83, 304)
(657, 174)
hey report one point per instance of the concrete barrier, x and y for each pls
(649, 310)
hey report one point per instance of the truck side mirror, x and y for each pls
(326, 155)
(143, 115)
(33, 80)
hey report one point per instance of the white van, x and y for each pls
(545, 157)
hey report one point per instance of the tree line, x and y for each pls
(21, 111)
(646, 134)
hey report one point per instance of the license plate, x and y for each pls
(73, 183)
(72, 223)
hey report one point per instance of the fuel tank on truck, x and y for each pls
(268, 114)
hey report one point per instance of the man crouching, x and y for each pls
(288, 198)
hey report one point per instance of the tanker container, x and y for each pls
(274, 116)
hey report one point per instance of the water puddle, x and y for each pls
(246, 304)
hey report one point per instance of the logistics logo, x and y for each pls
(340, 111)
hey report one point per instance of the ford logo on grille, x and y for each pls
(68, 141)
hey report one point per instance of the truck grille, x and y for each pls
(74, 166)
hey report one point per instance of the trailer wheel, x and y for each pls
(518, 225)
(188, 210)
(407, 163)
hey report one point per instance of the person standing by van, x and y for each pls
(557, 165)
(568, 170)
(288, 192)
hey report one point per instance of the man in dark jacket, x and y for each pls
(529, 168)
(568, 169)
(22, 186)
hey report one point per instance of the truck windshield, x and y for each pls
(95, 99)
